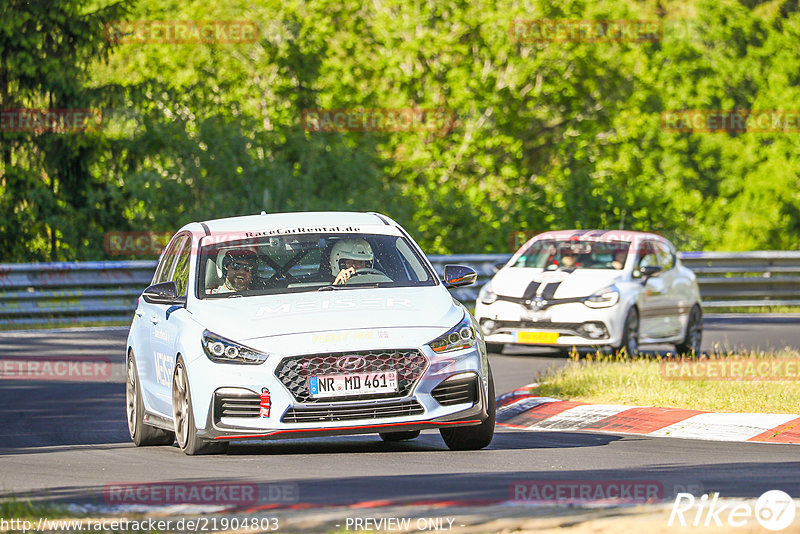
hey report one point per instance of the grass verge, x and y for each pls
(11, 507)
(645, 381)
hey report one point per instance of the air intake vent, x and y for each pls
(236, 402)
(348, 413)
(458, 391)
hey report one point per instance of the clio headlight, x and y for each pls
(462, 336)
(605, 298)
(487, 295)
(221, 350)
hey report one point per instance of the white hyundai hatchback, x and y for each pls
(304, 324)
(592, 288)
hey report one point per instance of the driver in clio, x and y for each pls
(348, 256)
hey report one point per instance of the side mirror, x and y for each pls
(163, 293)
(649, 270)
(458, 276)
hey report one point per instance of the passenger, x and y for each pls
(619, 260)
(348, 256)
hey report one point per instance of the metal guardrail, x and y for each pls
(59, 293)
(85, 292)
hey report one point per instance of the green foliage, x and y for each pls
(549, 134)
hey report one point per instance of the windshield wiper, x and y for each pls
(339, 287)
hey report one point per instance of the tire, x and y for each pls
(496, 348)
(629, 344)
(399, 436)
(694, 334)
(472, 438)
(185, 428)
(141, 433)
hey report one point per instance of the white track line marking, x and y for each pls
(580, 416)
(724, 426)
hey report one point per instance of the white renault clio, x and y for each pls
(304, 324)
(592, 288)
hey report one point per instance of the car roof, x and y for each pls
(599, 235)
(309, 221)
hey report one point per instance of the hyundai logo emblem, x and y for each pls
(351, 363)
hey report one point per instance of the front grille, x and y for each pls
(234, 402)
(348, 413)
(564, 328)
(458, 391)
(295, 371)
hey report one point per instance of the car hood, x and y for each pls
(513, 281)
(246, 318)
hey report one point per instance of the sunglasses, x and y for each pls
(236, 266)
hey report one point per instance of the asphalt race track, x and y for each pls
(67, 441)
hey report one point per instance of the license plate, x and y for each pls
(537, 337)
(352, 384)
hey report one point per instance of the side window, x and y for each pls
(164, 269)
(181, 275)
(647, 256)
(666, 257)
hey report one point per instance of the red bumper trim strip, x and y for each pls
(246, 436)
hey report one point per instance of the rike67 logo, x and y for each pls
(774, 510)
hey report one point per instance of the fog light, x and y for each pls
(488, 325)
(594, 330)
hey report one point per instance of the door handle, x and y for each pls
(139, 313)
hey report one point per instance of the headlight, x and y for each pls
(462, 336)
(605, 298)
(219, 349)
(486, 295)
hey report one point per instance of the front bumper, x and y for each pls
(427, 403)
(220, 431)
(575, 325)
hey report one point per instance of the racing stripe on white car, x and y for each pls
(531, 291)
(549, 290)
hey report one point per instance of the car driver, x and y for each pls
(238, 268)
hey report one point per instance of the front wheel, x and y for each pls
(630, 335)
(472, 438)
(185, 429)
(694, 333)
(141, 433)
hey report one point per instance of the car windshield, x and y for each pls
(551, 254)
(309, 262)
